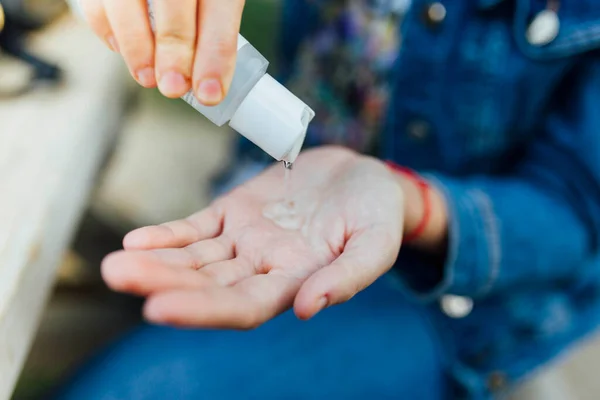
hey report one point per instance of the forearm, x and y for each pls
(502, 233)
(537, 222)
(468, 235)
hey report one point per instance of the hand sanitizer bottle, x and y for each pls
(257, 106)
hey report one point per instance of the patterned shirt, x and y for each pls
(343, 70)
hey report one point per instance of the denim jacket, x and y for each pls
(508, 128)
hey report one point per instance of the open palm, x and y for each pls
(229, 266)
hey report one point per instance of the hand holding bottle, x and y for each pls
(193, 47)
(195, 58)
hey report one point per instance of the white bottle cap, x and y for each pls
(274, 119)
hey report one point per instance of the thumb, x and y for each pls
(366, 256)
(214, 65)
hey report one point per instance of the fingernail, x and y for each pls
(321, 304)
(172, 84)
(112, 42)
(209, 92)
(146, 77)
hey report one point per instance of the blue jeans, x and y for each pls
(377, 346)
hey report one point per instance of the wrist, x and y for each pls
(425, 215)
(435, 235)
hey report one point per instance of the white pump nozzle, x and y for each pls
(274, 119)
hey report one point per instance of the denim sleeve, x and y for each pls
(539, 223)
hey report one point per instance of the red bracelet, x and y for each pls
(424, 189)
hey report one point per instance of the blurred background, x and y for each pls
(157, 168)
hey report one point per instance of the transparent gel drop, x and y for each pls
(284, 215)
(285, 212)
(287, 182)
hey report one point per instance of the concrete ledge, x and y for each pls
(52, 142)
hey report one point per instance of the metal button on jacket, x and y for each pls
(435, 14)
(544, 28)
(418, 129)
(497, 381)
(456, 306)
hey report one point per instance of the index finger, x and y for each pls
(203, 225)
(246, 305)
(218, 27)
(131, 26)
